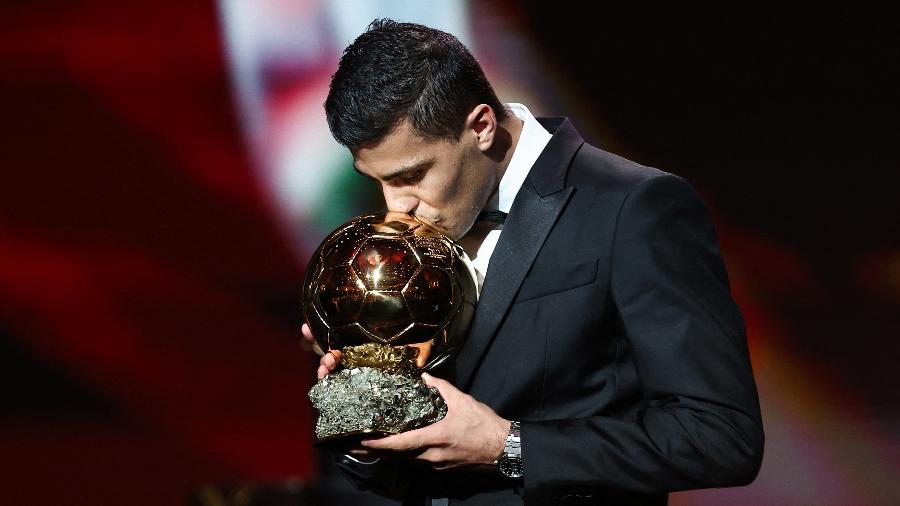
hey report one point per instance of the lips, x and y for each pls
(436, 223)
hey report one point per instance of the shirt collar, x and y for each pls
(532, 141)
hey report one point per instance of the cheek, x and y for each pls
(456, 186)
(445, 190)
(469, 180)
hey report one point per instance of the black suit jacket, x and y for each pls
(606, 326)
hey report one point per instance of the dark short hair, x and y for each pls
(396, 71)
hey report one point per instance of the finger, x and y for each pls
(331, 359)
(444, 387)
(328, 363)
(362, 452)
(438, 458)
(432, 456)
(309, 341)
(402, 442)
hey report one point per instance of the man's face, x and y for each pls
(442, 182)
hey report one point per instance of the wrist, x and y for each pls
(497, 449)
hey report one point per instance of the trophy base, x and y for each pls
(366, 402)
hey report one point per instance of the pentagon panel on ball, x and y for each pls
(385, 315)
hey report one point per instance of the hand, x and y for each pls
(470, 434)
(328, 361)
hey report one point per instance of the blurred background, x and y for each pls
(167, 171)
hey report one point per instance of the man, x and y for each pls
(606, 352)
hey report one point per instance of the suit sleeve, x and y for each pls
(699, 425)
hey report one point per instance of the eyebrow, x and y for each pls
(402, 171)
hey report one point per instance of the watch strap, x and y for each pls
(510, 462)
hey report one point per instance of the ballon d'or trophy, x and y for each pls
(395, 296)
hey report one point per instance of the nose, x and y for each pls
(399, 200)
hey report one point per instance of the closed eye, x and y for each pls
(413, 177)
(405, 176)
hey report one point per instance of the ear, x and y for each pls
(481, 124)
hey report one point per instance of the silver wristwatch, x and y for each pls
(510, 462)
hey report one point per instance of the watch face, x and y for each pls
(511, 467)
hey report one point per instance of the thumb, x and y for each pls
(444, 387)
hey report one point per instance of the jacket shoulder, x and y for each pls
(595, 168)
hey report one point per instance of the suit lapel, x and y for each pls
(531, 217)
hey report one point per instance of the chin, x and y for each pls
(458, 233)
(449, 232)
(448, 229)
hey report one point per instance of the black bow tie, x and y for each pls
(498, 217)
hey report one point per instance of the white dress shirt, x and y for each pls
(532, 141)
